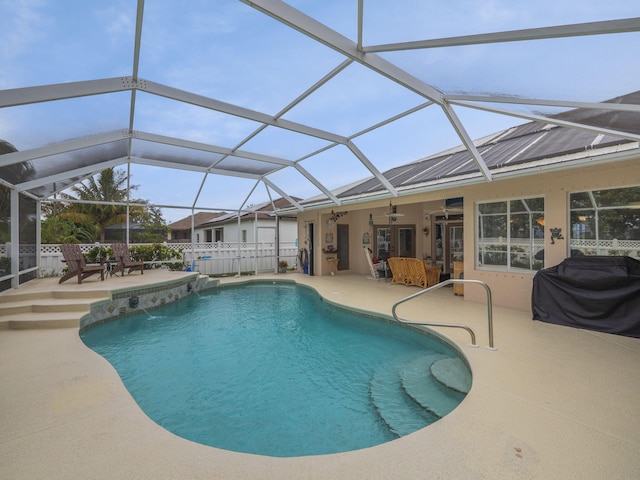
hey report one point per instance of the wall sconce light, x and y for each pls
(425, 230)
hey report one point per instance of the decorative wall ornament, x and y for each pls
(556, 234)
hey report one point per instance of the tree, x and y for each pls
(108, 186)
(79, 222)
(150, 218)
(56, 230)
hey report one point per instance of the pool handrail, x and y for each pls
(453, 325)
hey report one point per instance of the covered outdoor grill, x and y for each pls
(594, 293)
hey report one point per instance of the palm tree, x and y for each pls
(108, 186)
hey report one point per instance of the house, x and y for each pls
(257, 223)
(554, 191)
(180, 231)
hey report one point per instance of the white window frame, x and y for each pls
(535, 241)
(597, 245)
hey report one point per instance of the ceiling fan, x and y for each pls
(392, 214)
(446, 210)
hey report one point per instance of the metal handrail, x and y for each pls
(454, 325)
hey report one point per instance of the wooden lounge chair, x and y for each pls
(413, 271)
(77, 265)
(124, 261)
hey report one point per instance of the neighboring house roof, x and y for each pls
(533, 145)
(199, 218)
(264, 211)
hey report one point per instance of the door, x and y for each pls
(395, 241)
(343, 247)
(456, 245)
(406, 241)
(448, 242)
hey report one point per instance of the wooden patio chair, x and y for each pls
(433, 275)
(124, 260)
(398, 272)
(77, 265)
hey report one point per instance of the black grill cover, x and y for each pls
(594, 293)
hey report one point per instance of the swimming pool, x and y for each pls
(272, 369)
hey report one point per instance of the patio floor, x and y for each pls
(551, 403)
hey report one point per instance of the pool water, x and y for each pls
(271, 369)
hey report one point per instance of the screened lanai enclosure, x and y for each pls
(214, 106)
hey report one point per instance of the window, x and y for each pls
(510, 234)
(606, 222)
(219, 234)
(244, 236)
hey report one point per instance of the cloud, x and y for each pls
(22, 24)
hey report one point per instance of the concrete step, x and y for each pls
(23, 321)
(25, 296)
(42, 306)
(46, 309)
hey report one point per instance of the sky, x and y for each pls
(227, 51)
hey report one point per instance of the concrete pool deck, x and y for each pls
(551, 403)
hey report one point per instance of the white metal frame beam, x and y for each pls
(60, 91)
(78, 172)
(621, 107)
(63, 147)
(312, 28)
(205, 147)
(553, 120)
(562, 31)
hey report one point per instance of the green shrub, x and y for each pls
(158, 252)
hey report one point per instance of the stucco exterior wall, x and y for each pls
(267, 233)
(511, 290)
(514, 290)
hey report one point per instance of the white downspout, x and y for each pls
(255, 236)
(38, 234)
(15, 238)
(238, 254)
(193, 234)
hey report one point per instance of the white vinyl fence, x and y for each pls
(216, 258)
(227, 257)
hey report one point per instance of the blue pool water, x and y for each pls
(271, 369)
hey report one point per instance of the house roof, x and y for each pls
(200, 218)
(262, 211)
(533, 145)
(295, 99)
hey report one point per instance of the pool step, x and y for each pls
(401, 413)
(453, 373)
(20, 310)
(425, 389)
